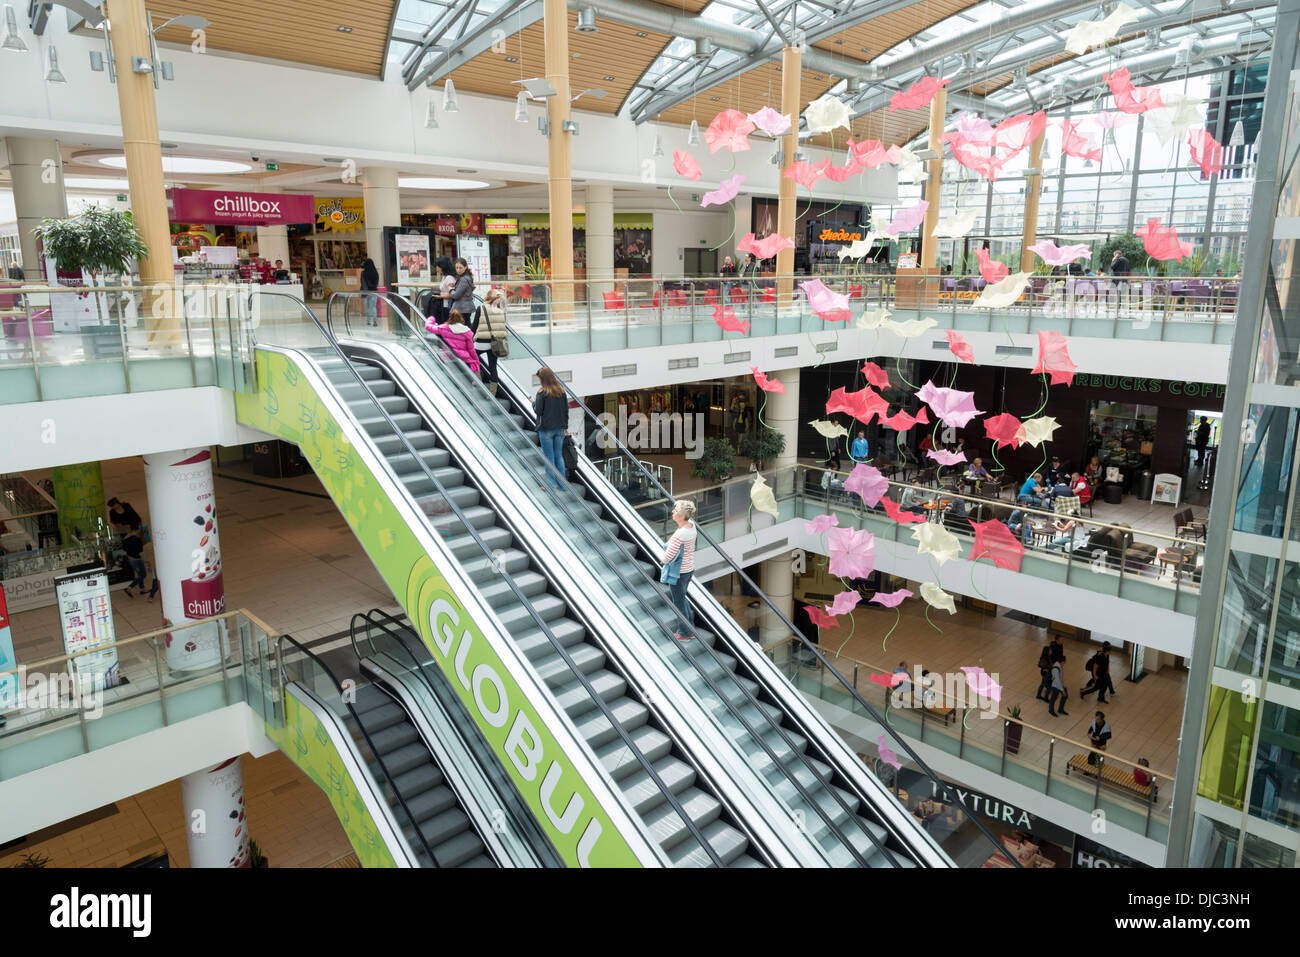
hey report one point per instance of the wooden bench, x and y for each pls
(1111, 775)
(948, 714)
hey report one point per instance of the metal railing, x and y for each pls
(1057, 765)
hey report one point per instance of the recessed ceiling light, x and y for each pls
(512, 59)
(609, 79)
(640, 34)
(839, 43)
(331, 159)
(466, 171)
(342, 29)
(94, 182)
(169, 146)
(183, 164)
(439, 182)
(716, 98)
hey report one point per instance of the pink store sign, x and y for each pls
(242, 209)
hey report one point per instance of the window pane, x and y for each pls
(1247, 602)
(1284, 665)
(1275, 789)
(1214, 844)
(1261, 853)
(1225, 752)
(1269, 439)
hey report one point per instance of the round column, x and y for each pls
(383, 203)
(776, 579)
(187, 553)
(782, 415)
(79, 498)
(36, 172)
(216, 831)
(600, 240)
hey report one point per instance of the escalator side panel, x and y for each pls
(317, 747)
(295, 403)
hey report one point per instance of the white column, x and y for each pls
(782, 414)
(216, 825)
(187, 553)
(776, 579)
(383, 203)
(36, 174)
(600, 240)
(273, 241)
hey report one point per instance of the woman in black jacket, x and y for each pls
(552, 408)
(370, 284)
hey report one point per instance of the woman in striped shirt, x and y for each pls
(681, 551)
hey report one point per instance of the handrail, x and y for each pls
(328, 335)
(145, 636)
(581, 523)
(956, 702)
(839, 277)
(573, 397)
(343, 698)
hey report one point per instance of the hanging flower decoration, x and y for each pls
(730, 130)
(686, 165)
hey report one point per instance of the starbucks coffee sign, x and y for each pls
(1152, 386)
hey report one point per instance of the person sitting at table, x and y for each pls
(1064, 534)
(831, 482)
(1056, 473)
(907, 502)
(1079, 486)
(977, 472)
(1032, 492)
(1093, 472)
(1017, 525)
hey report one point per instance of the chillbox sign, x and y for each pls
(244, 209)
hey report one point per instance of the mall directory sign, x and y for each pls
(564, 804)
(86, 618)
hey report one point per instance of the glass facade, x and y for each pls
(1241, 734)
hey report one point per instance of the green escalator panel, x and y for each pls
(581, 830)
(306, 743)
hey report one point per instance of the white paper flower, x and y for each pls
(761, 496)
(933, 539)
(936, 597)
(872, 318)
(1038, 430)
(827, 428)
(999, 295)
(1179, 114)
(826, 114)
(908, 328)
(910, 168)
(961, 222)
(1092, 33)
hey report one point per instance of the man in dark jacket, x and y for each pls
(122, 514)
(1119, 284)
(134, 549)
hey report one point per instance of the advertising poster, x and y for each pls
(413, 258)
(9, 691)
(86, 619)
(470, 224)
(219, 793)
(340, 214)
(187, 553)
(474, 250)
(501, 226)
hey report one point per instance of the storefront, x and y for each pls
(214, 231)
(825, 228)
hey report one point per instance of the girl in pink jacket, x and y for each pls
(457, 336)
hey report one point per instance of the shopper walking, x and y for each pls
(860, 451)
(445, 285)
(679, 565)
(1099, 667)
(552, 408)
(1202, 440)
(457, 337)
(462, 293)
(134, 548)
(370, 290)
(490, 337)
(121, 514)
(1058, 692)
(1045, 673)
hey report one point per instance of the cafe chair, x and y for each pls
(613, 300)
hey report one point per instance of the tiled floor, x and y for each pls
(289, 817)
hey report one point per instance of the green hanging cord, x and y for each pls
(966, 718)
(898, 368)
(898, 617)
(1047, 390)
(853, 624)
(973, 586)
(732, 204)
(1000, 466)
(673, 198)
(930, 623)
(761, 406)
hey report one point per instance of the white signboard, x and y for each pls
(86, 618)
(413, 263)
(474, 250)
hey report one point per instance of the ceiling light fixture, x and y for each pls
(521, 107)
(640, 34)
(693, 137)
(538, 87)
(440, 182)
(608, 79)
(52, 72)
(431, 116)
(343, 29)
(703, 48)
(1238, 137)
(182, 164)
(12, 40)
(587, 20)
(449, 104)
(659, 145)
(91, 182)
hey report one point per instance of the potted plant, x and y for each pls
(1014, 729)
(34, 859)
(99, 242)
(716, 462)
(764, 445)
(535, 273)
(255, 856)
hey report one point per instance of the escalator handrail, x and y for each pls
(582, 525)
(794, 630)
(338, 686)
(402, 634)
(328, 333)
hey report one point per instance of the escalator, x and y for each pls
(399, 803)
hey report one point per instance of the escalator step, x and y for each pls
(515, 617)
(476, 515)
(666, 828)
(402, 461)
(404, 759)
(555, 671)
(535, 644)
(574, 699)
(350, 391)
(391, 739)
(486, 567)
(620, 760)
(383, 717)
(443, 827)
(529, 583)
(419, 439)
(461, 850)
(434, 504)
(727, 842)
(376, 425)
(596, 729)
(369, 698)
(643, 793)
(481, 861)
(362, 406)
(418, 779)
(427, 804)
(464, 546)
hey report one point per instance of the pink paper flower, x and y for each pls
(727, 319)
(843, 602)
(954, 407)
(821, 524)
(982, 683)
(900, 421)
(686, 165)
(1207, 153)
(1162, 242)
(891, 599)
(917, 95)
(994, 539)
(895, 511)
(804, 173)
(974, 128)
(959, 347)
(836, 174)
(1004, 430)
(863, 405)
(886, 755)
(766, 384)
(770, 121)
(991, 269)
(835, 315)
(821, 299)
(764, 248)
(1017, 132)
(908, 219)
(1055, 255)
(852, 552)
(820, 618)
(730, 129)
(1054, 358)
(1074, 143)
(871, 153)
(875, 375)
(944, 457)
(1130, 98)
(887, 681)
(725, 192)
(867, 481)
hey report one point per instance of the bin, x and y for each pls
(1145, 481)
